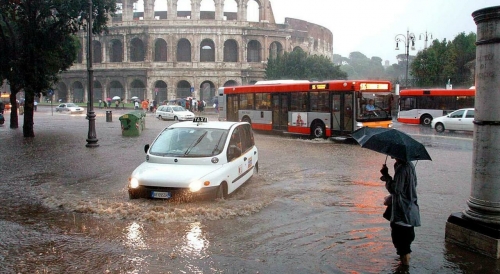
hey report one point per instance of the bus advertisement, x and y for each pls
(420, 106)
(320, 109)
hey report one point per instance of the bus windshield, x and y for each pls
(374, 106)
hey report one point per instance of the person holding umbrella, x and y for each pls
(403, 209)
(402, 204)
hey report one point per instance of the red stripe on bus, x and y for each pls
(262, 126)
(409, 120)
(301, 130)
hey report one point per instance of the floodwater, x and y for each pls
(315, 207)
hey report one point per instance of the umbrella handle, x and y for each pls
(386, 159)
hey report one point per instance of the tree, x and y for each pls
(37, 42)
(298, 65)
(446, 60)
(359, 66)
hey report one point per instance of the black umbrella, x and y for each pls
(391, 142)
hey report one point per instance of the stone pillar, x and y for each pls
(478, 227)
(149, 6)
(219, 10)
(195, 9)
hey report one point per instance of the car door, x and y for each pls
(468, 120)
(242, 156)
(168, 113)
(455, 120)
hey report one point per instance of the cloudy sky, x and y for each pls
(370, 26)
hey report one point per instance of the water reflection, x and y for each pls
(192, 248)
(134, 237)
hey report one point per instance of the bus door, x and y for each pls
(232, 107)
(280, 111)
(342, 113)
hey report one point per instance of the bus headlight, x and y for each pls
(195, 186)
(134, 183)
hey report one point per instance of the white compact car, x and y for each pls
(172, 112)
(197, 158)
(461, 119)
(69, 108)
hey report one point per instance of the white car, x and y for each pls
(69, 107)
(196, 159)
(461, 119)
(177, 113)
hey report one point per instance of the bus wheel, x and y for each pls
(318, 130)
(246, 119)
(426, 120)
(221, 191)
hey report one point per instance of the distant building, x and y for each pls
(171, 54)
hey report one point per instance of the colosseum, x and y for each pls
(173, 53)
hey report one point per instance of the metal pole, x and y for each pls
(92, 138)
(407, 55)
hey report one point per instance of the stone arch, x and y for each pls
(275, 50)
(253, 10)
(207, 10)
(253, 51)
(96, 52)
(98, 92)
(298, 48)
(138, 88)
(183, 50)
(116, 89)
(183, 89)
(137, 50)
(230, 83)
(230, 51)
(230, 10)
(61, 92)
(207, 50)
(160, 50)
(78, 92)
(161, 93)
(207, 91)
(116, 51)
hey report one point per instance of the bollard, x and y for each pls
(109, 116)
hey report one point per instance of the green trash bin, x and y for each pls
(133, 123)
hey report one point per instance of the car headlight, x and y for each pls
(195, 186)
(134, 183)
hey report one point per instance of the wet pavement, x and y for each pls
(315, 207)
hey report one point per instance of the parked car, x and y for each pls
(70, 108)
(461, 119)
(173, 112)
(196, 159)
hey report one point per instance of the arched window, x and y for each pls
(207, 51)
(96, 52)
(183, 50)
(230, 51)
(137, 51)
(160, 50)
(116, 51)
(253, 51)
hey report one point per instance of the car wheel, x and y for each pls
(176, 118)
(318, 130)
(426, 120)
(221, 191)
(160, 118)
(439, 127)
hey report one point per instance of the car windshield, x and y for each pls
(178, 108)
(189, 142)
(71, 105)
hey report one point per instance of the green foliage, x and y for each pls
(37, 42)
(298, 65)
(446, 60)
(358, 66)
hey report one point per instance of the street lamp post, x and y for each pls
(91, 138)
(410, 37)
(426, 36)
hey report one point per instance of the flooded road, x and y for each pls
(314, 207)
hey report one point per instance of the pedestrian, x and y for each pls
(109, 102)
(145, 105)
(35, 105)
(117, 103)
(403, 210)
(100, 103)
(136, 105)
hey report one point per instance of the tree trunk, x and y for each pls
(14, 122)
(28, 114)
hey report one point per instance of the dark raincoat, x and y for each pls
(403, 189)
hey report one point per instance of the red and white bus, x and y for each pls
(320, 109)
(420, 106)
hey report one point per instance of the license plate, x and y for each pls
(161, 195)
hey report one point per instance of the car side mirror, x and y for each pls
(146, 148)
